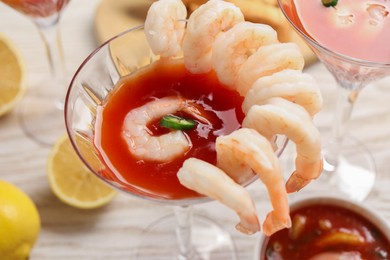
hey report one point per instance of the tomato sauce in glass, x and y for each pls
(159, 180)
(326, 228)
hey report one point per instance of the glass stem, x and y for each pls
(183, 216)
(51, 38)
(345, 103)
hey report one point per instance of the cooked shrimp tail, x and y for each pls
(302, 176)
(249, 223)
(250, 149)
(211, 181)
(198, 112)
(280, 116)
(273, 221)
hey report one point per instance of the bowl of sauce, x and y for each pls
(328, 228)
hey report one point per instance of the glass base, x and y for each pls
(209, 241)
(353, 177)
(355, 173)
(41, 117)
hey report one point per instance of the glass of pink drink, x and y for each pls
(351, 39)
(41, 110)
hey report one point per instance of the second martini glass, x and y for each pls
(348, 165)
(42, 108)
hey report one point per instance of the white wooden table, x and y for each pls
(112, 232)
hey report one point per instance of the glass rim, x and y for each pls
(114, 184)
(311, 41)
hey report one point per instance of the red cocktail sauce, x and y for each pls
(159, 80)
(326, 228)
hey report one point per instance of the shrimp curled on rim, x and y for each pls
(280, 116)
(143, 145)
(246, 150)
(165, 27)
(211, 181)
(233, 47)
(267, 60)
(203, 26)
(293, 85)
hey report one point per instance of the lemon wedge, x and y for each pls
(72, 182)
(12, 75)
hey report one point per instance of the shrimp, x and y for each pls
(293, 85)
(268, 60)
(211, 181)
(245, 150)
(165, 27)
(280, 116)
(204, 24)
(232, 48)
(337, 256)
(163, 148)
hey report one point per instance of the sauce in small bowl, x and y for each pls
(328, 228)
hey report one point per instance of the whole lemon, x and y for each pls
(19, 223)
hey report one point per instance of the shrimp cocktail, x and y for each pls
(177, 111)
(351, 38)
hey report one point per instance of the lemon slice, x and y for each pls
(72, 182)
(12, 75)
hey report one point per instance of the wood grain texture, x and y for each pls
(112, 232)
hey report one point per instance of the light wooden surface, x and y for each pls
(112, 232)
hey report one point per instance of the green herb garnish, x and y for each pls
(177, 123)
(329, 3)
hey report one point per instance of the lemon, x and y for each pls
(12, 75)
(19, 223)
(72, 182)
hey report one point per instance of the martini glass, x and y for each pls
(348, 165)
(183, 235)
(41, 111)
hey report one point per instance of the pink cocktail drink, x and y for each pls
(37, 8)
(355, 28)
